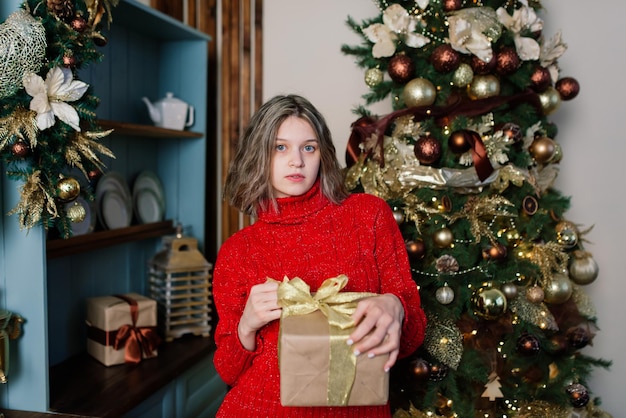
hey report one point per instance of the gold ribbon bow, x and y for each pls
(295, 298)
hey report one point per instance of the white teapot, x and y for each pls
(170, 112)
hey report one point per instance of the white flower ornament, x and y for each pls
(397, 22)
(472, 30)
(551, 51)
(523, 19)
(50, 97)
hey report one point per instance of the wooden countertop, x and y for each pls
(83, 386)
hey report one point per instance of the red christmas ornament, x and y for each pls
(495, 252)
(578, 395)
(20, 149)
(459, 141)
(481, 67)
(568, 88)
(79, 24)
(69, 61)
(420, 369)
(401, 68)
(427, 150)
(445, 59)
(528, 345)
(415, 249)
(540, 79)
(512, 131)
(507, 61)
(451, 5)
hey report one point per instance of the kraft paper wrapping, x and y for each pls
(317, 367)
(107, 314)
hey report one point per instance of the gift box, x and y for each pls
(122, 328)
(317, 366)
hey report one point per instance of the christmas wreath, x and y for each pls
(48, 127)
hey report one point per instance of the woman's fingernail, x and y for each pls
(350, 342)
(370, 355)
(386, 369)
(357, 352)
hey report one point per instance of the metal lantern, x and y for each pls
(180, 282)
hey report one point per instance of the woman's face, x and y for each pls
(295, 160)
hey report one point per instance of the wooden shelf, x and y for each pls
(146, 130)
(83, 386)
(101, 239)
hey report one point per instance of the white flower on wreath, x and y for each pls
(472, 31)
(523, 19)
(50, 96)
(397, 23)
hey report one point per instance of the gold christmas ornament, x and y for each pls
(583, 269)
(558, 289)
(550, 100)
(419, 92)
(68, 189)
(566, 234)
(534, 294)
(443, 238)
(22, 48)
(374, 77)
(542, 149)
(444, 295)
(463, 75)
(510, 290)
(489, 303)
(483, 86)
(76, 213)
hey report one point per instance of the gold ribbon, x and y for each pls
(295, 298)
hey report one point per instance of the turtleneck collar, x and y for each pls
(296, 209)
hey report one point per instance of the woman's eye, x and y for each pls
(280, 147)
(310, 148)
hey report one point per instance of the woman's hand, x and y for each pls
(379, 325)
(261, 308)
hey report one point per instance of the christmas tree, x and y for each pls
(467, 160)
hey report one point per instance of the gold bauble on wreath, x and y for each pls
(443, 238)
(68, 189)
(76, 213)
(535, 294)
(550, 100)
(419, 92)
(483, 86)
(583, 269)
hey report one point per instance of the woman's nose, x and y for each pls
(296, 160)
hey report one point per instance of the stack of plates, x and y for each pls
(114, 201)
(148, 198)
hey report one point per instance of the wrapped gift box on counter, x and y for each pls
(121, 328)
(317, 367)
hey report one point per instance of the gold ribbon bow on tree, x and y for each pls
(295, 298)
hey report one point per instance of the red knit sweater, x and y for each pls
(311, 238)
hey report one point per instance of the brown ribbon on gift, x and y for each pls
(295, 298)
(135, 340)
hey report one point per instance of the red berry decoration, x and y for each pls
(445, 59)
(540, 79)
(507, 61)
(481, 67)
(578, 395)
(528, 345)
(79, 24)
(568, 88)
(401, 68)
(20, 149)
(427, 150)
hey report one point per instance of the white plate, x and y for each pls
(115, 212)
(149, 180)
(112, 182)
(88, 224)
(147, 206)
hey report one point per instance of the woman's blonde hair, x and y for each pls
(248, 185)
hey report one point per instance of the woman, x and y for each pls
(286, 175)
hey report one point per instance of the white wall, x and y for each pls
(302, 41)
